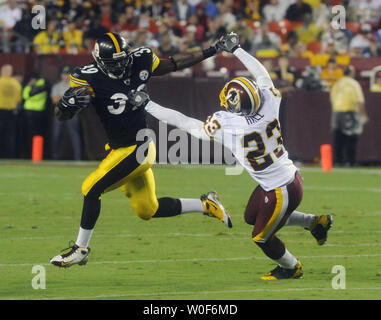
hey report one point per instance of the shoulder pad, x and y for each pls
(81, 76)
(143, 58)
(141, 52)
(86, 71)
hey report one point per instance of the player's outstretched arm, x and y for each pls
(230, 43)
(190, 125)
(184, 60)
(256, 68)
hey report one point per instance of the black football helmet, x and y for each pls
(112, 55)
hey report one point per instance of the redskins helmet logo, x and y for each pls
(241, 96)
(233, 96)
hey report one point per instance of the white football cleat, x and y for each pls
(74, 255)
(214, 208)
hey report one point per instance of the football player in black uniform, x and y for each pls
(111, 84)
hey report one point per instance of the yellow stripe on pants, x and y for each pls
(267, 230)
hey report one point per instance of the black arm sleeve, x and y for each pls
(183, 60)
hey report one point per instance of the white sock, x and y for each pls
(300, 219)
(191, 205)
(287, 261)
(83, 238)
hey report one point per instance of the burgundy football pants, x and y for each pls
(268, 211)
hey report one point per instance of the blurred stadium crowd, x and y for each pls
(268, 28)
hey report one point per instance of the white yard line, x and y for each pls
(345, 189)
(77, 195)
(362, 170)
(190, 166)
(217, 236)
(152, 261)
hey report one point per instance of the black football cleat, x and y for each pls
(280, 273)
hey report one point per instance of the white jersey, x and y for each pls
(256, 141)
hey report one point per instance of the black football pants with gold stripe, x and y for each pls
(121, 169)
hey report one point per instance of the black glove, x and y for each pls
(75, 99)
(138, 98)
(228, 43)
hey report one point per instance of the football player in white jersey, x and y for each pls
(249, 127)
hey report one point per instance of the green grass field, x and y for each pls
(185, 257)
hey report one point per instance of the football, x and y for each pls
(81, 97)
(82, 91)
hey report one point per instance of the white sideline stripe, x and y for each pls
(176, 234)
(224, 236)
(76, 195)
(362, 170)
(195, 260)
(346, 189)
(190, 166)
(179, 293)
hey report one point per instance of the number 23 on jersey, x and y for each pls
(257, 156)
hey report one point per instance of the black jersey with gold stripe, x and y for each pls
(120, 120)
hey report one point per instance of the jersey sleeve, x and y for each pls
(145, 58)
(214, 127)
(175, 118)
(80, 79)
(257, 70)
(272, 101)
